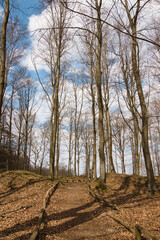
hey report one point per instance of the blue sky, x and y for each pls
(27, 8)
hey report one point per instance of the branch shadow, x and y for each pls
(78, 218)
(74, 213)
(125, 184)
(120, 196)
(15, 189)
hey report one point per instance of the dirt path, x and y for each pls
(73, 214)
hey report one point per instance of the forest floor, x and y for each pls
(72, 213)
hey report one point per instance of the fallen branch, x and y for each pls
(49, 194)
(46, 201)
(139, 229)
(93, 194)
(130, 229)
(101, 200)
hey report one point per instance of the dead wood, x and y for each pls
(101, 200)
(93, 194)
(139, 229)
(36, 230)
(46, 201)
(130, 229)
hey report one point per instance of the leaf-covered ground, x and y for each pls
(72, 212)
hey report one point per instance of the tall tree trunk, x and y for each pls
(19, 139)
(26, 133)
(51, 164)
(42, 159)
(131, 91)
(55, 127)
(136, 154)
(87, 163)
(3, 55)
(110, 146)
(145, 144)
(78, 156)
(55, 100)
(121, 149)
(94, 168)
(57, 152)
(70, 145)
(110, 165)
(144, 112)
(75, 137)
(99, 94)
(10, 123)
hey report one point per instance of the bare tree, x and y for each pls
(129, 95)
(86, 136)
(132, 13)
(107, 63)
(70, 142)
(89, 42)
(25, 121)
(120, 139)
(3, 54)
(54, 39)
(78, 102)
(98, 5)
(14, 86)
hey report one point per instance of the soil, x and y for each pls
(72, 213)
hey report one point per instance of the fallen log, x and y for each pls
(93, 194)
(49, 193)
(130, 229)
(36, 230)
(139, 229)
(101, 200)
(46, 201)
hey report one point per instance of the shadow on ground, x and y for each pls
(74, 213)
(124, 195)
(15, 189)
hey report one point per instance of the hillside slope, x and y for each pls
(72, 212)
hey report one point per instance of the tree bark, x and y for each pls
(99, 94)
(130, 88)
(70, 144)
(144, 112)
(94, 168)
(3, 55)
(55, 95)
(57, 152)
(75, 133)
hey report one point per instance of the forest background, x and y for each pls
(81, 87)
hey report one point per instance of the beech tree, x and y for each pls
(93, 41)
(3, 55)
(25, 121)
(125, 79)
(88, 39)
(98, 5)
(78, 105)
(54, 39)
(15, 84)
(132, 13)
(107, 64)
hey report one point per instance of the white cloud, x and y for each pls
(37, 26)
